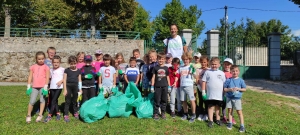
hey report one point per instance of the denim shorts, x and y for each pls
(234, 103)
(187, 91)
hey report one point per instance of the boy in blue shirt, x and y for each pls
(234, 88)
(132, 74)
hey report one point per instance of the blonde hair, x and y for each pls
(152, 51)
(214, 59)
(118, 55)
(187, 55)
(79, 54)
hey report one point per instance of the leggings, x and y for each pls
(35, 92)
(54, 94)
(72, 94)
(202, 102)
(87, 93)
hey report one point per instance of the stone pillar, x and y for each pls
(213, 43)
(187, 34)
(274, 55)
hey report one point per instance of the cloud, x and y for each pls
(296, 32)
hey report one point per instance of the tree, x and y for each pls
(175, 12)
(297, 2)
(142, 23)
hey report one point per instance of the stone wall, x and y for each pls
(290, 73)
(17, 54)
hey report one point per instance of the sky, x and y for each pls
(212, 18)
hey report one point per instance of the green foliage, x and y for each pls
(297, 2)
(175, 12)
(262, 113)
(142, 23)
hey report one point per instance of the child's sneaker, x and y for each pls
(210, 124)
(57, 116)
(229, 126)
(163, 116)
(218, 122)
(224, 119)
(76, 115)
(155, 117)
(28, 118)
(192, 120)
(48, 118)
(242, 129)
(66, 118)
(159, 110)
(205, 118)
(39, 118)
(233, 121)
(184, 117)
(200, 117)
(173, 114)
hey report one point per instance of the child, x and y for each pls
(213, 81)
(39, 75)
(97, 64)
(152, 63)
(51, 51)
(169, 60)
(196, 66)
(144, 79)
(226, 69)
(139, 61)
(121, 69)
(57, 74)
(160, 86)
(80, 60)
(200, 72)
(174, 82)
(186, 86)
(234, 88)
(107, 78)
(88, 77)
(116, 66)
(132, 74)
(72, 84)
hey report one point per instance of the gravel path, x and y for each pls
(277, 88)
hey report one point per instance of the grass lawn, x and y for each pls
(264, 114)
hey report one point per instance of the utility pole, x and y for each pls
(226, 32)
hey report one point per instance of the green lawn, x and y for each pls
(264, 114)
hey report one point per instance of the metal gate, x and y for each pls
(251, 55)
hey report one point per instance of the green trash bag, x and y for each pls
(94, 109)
(118, 104)
(145, 110)
(132, 89)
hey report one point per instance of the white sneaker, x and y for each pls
(28, 119)
(39, 118)
(200, 117)
(159, 110)
(205, 118)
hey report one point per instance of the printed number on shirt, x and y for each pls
(107, 73)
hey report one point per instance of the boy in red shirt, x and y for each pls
(174, 82)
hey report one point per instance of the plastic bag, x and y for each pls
(132, 89)
(145, 110)
(118, 104)
(94, 109)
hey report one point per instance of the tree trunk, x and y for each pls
(93, 25)
(7, 22)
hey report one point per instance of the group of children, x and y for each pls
(170, 79)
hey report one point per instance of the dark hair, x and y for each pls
(51, 48)
(173, 25)
(39, 53)
(146, 58)
(204, 57)
(56, 57)
(132, 59)
(136, 50)
(72, 58)
(161, 55)
(234, 66)
(176, 61)
(107, 57)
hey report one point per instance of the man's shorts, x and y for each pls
(186, 91)
(212, 102)
(234, 103)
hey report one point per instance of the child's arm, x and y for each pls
(47, 78)
(114, 79)
(125, 77)
(137, 79)
(153, 80)
(80, 82)
(168, 78)
(243, 87)
(65, 84)
(29, 79)
(100, 80)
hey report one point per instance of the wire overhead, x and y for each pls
(264, 10)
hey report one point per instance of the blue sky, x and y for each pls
(212, 18)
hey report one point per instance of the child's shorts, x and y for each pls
(186, 91)
(234, 103)
(212, 102)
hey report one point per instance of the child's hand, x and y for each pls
(88, 76)
(169, 89)
(59, 83)
(234, 89)
(152, 89)
(65, 92)
(174, 85)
